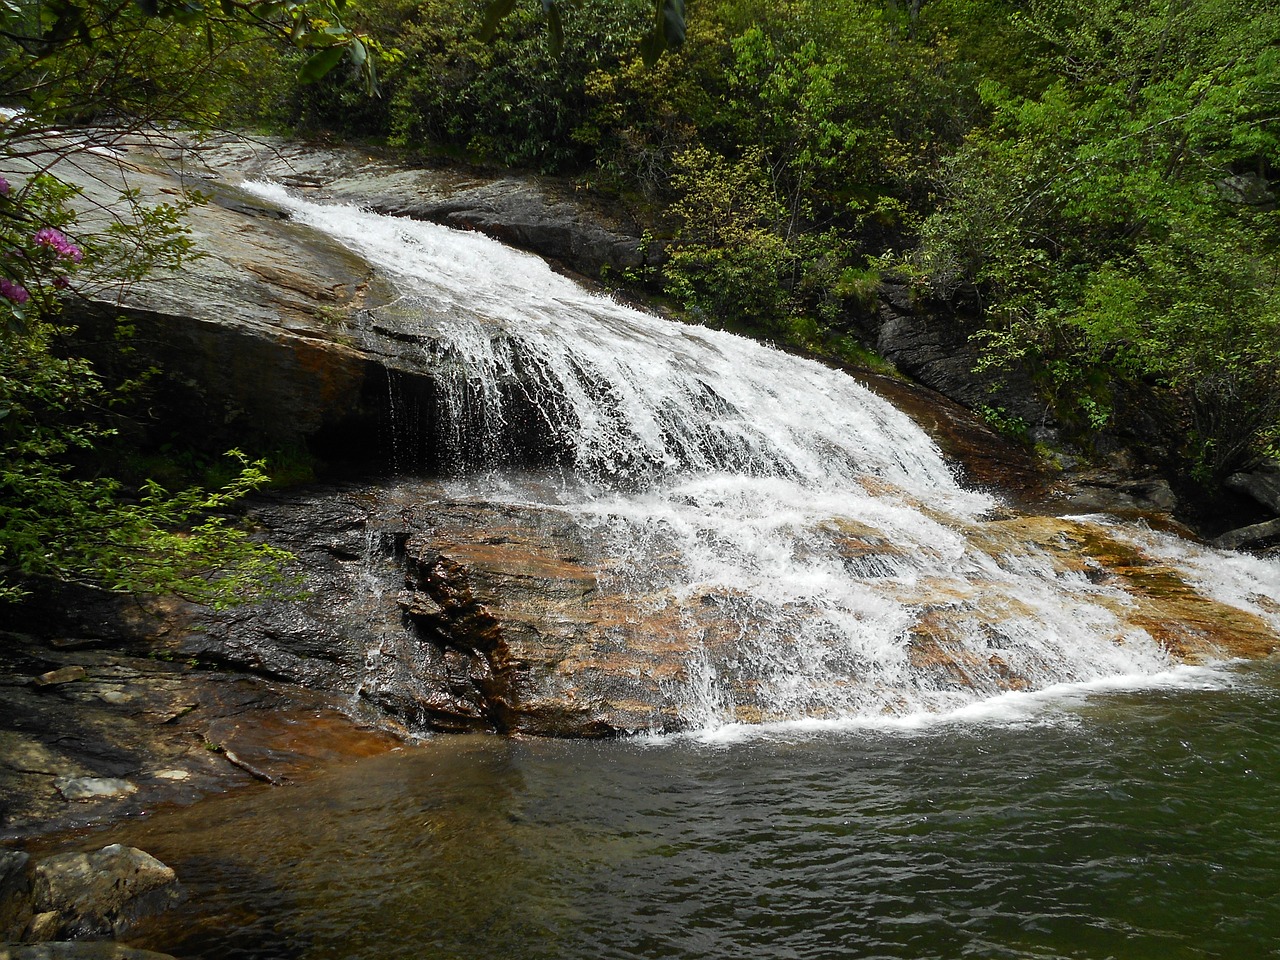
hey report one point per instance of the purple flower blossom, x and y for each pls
(13, 291)
(60, 282)
(59, 243)
(4, 187)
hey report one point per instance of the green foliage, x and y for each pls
(1000, 420)
(511, 99)
(729, 259)
(1094, 218)
(59, 515)
(666, 31)
(68, 58)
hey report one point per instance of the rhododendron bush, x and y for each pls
(60, 516)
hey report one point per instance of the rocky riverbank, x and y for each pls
(457, 615)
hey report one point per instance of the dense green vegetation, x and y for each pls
(1088, 186)
(70, 508)
(1088, 182)
(61, 513)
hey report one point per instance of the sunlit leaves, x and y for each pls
(60, 516)
(1095, 218)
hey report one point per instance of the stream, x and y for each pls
(885, 716)
(1083, 823)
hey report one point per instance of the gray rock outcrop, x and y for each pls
(543, 215)
(75, 895)
(1262, 484)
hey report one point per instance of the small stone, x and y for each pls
(418, 604)
(91, 788)
(62, 675)
(173, 774)
(44, 926)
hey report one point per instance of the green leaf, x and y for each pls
(668, 31)
(358, 52)
(321, 63)
(494, 14)
(555, 26)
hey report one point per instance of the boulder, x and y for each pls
(1247, 190)
(1109, 491)
(1254, 536)
(1262, 484)
(77, 950)
(98, 894)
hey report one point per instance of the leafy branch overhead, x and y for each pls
(315, 26)
(666, 31)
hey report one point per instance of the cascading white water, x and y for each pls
(804, 533)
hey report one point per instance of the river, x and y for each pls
(1110, 803)
(1086, 823)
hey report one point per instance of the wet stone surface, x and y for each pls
(136, 731)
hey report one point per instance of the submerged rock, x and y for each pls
(140, 731)
(77, 950)
(89, 788)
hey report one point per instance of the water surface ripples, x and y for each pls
(1128, 824)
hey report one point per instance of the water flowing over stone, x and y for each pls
(676, 527)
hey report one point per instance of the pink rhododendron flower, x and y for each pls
(59, 243)
(4, 187)
(13, 291)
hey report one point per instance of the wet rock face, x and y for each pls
(544, 215)
(453, 611)
(448, 614)
(69, 896)
(136, 729)
(279, 338)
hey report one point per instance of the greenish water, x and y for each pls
(1139, 824)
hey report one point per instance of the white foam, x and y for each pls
(796, 526)
(1057, 703)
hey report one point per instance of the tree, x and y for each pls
(666, 30)
(62, 514)
(1100, 219)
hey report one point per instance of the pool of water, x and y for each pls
(1126, 824)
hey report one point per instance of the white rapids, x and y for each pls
(805, 533)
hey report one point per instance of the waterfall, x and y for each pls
(805, 541)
